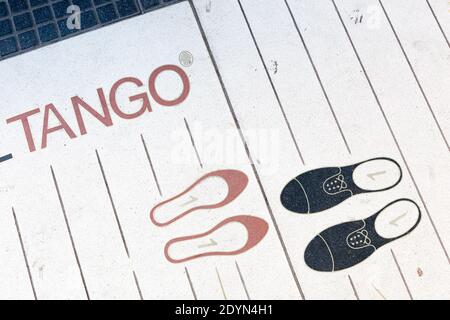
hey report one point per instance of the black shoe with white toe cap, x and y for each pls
(347, 244)
(321, 189)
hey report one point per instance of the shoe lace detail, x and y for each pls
(335, 184)
(359, 239)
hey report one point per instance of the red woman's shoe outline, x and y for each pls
(236, 180)
(256, 228)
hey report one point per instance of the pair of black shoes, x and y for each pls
(347, 244)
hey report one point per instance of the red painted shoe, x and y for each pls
(256, 231)
(236, 181)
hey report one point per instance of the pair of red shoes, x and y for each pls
(236, 181)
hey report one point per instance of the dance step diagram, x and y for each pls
(232, 236)
(347, 244)
(336, 248)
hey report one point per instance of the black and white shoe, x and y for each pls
(324, 188)
(347, 244)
